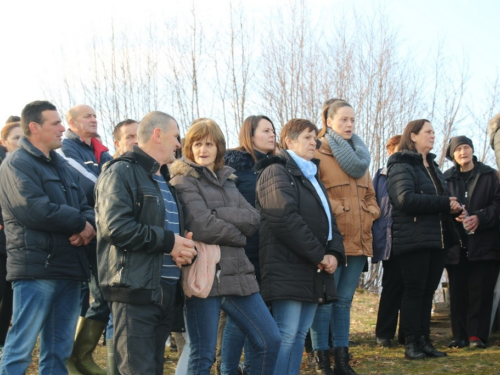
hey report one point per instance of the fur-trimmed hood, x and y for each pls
(411, 157)
(239, 159)
(186, 167)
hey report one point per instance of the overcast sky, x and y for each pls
(33, 33)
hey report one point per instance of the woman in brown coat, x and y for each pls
(343, 169)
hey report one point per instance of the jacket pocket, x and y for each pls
(367, 220)
(150, 209)
(343, 217)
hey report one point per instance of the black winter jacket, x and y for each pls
(246, 181)
(294, 234)
(483, 200)
(42, 206)
(131, 234)
(418, 213)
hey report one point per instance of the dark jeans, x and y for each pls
(421, 271)
(6, 298)
(99, 309)
(471, 297)
(390, 299)
(141, 332)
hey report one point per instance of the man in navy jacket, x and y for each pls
(48, 225)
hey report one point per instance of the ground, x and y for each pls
(370, 359)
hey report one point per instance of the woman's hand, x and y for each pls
(328, 264)
(455, 207)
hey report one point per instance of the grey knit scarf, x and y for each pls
(355, 159)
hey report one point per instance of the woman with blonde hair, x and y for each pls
(217, 214)
(343, 169)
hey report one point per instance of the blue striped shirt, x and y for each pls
(169, 271)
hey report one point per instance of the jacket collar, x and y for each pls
(186, 167)
(282, 158)
(26, 145)
(138, 156)
(324, 147)
(479, 168)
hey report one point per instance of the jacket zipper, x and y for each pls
(440, 221)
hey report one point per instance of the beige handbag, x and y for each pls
(198, 278)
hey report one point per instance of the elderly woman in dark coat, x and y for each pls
(422, 231)
(217, 214)
(473, 264)
(300, 244)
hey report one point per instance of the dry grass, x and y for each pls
(370, 359)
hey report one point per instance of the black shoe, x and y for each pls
(342, 366)
(458, 343)
(429, 349)
(477, 344)
(412, 348)
(323, 362)
(384, 343)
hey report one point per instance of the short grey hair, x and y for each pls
(150, 122)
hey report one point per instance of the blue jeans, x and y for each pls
(232, 343)
(252, 317)
(49, 308)
(337, 315)
(294, 319)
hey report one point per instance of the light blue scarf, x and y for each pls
(309, 170)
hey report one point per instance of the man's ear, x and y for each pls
(156, 135)
(34, 127)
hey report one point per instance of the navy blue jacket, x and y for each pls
(43, 205)
(74, 148)
(382, 227)
(244, 164)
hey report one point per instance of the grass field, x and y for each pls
(370, 359)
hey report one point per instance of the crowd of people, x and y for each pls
(252, 249)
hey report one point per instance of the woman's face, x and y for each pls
(205, 152)
(424, 140)
(11, 142)
(305, 144)
(264, 137)
(342, 122)
(463, 155)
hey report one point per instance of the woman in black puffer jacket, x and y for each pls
(422, 231)
(257, 141)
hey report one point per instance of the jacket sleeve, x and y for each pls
(278, 200)
(371, 200)
(404, 197)
(204, 222)
(244, 217)
(25, 199)
(115, 218)
(489, 216)
(336, 244)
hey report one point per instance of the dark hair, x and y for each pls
(33, 113)
(13, 119)
(330, 111)
(117, 132)
(413, 127)
(392, 143)
(247, 131)
(294, 128)
(200, 129)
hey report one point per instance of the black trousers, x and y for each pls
(421, 271)
(6, 300)
(99, 308)
(141, 332)
(471, 297)
(390, 298)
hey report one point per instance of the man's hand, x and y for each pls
(84, 237)
(328, 264)
(183, 251)
(455, 207)
(471, 223)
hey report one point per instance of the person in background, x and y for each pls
(392, 280)
(493, 130)
(343, 169)
(422, 229)
(86, 154)
(217, 214)
(11, 132)
(474, 263)
(300, 244)
(125, 136)
(48, 227)
(257, 140)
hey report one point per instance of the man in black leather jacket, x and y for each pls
(139, 245)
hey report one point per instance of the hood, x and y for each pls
(186, 167)
(411, 157)
(239, 159)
